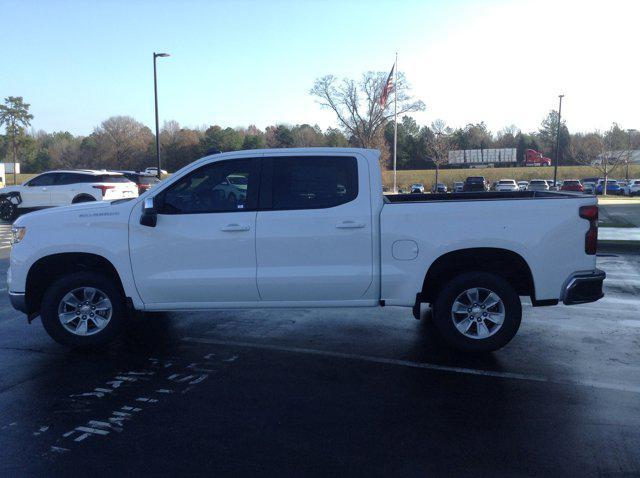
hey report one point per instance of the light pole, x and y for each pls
(630, 151)
(155, 92)
(555, 167)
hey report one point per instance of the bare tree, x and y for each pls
(122, 143)
(594, 150)
(357, 103)
(438, 145)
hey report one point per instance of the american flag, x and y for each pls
(387, 88)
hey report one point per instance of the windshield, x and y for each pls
(508, 181)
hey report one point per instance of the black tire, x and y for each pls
(442, 312)
(81, 199)
(8, 210)
(56, 292)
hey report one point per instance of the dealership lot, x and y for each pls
(329, 391)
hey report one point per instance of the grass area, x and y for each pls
(449, 176)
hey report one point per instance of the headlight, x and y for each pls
(17, 234)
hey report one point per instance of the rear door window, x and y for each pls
(313, 182)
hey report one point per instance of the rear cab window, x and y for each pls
(309, 182)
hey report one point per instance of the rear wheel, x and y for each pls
(83, 310)
(477, 312)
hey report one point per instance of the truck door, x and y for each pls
(314, 229)
(202, 249)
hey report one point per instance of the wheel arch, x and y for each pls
(48, 268)
(83, 197)
(503, 262)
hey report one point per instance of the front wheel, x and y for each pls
(477, 312)
(8, 210)
(83, 310)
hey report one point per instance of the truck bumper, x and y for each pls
(18, 301)
(583, 287)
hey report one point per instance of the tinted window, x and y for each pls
(110, 178)
(217, 187)
(73, 178)
(312, 183)
(43, 180)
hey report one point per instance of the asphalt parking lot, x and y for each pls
(5, 236)
(329, 392)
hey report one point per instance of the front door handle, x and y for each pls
(350, 225)
(235, 227)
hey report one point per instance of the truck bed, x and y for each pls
(482, 196)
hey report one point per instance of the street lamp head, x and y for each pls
(162, 55)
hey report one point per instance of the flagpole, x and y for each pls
(395, 123)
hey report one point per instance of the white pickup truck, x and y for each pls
(312, 230)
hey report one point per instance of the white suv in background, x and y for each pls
(61, 188)
(632, 188)
(507, 185)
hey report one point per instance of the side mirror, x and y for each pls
(149, 216)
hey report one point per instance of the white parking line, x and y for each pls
(420, 365)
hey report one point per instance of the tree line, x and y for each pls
(121, 142)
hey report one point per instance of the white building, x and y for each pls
(7, 168)
(619, 156)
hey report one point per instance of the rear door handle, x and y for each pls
(235, 227)
(350, 225)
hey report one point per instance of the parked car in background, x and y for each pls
(538, 185)
(417, 188)
(153, 171)
(143, 181)
(440, 188)
(522, 185)
(458, 186)
(632, 188)
(572, 185)
(82, 269)
(61, 188)
(507, 185)
(613, 187)
(475, 184)
(589, 187)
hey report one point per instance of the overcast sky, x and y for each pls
(239, 62)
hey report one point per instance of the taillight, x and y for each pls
(103, 188)
(590, 213)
